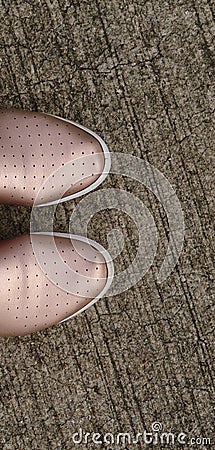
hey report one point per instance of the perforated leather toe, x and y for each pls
(33, 146)
(29, 299)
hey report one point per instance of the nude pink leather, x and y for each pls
(35, 145)
(29, 301)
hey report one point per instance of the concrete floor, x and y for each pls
(139, 73)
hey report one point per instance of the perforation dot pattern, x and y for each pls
(29, 300)
(33, 146)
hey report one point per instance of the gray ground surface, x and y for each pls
(139, 73)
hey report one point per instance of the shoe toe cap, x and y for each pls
(43, 284)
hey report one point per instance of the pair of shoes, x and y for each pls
(34, 147)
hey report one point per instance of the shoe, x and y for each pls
(46, 160)
(47, 278)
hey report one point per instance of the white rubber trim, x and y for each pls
(105, 254)
(101, 178)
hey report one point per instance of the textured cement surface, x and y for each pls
(139, 73)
